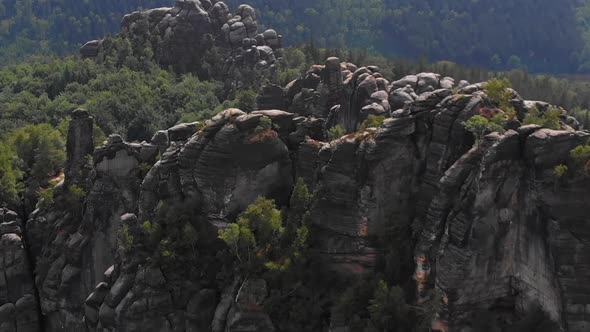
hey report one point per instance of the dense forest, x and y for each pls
(549, 36)
(59, 26)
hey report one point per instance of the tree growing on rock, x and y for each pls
(259, 238)
(499, 92)
(388, 309)
(297, 231)
(581, 158)
(10, 176)
(254, 238)
(479, 126)
(548, 119)
(246, 100)
(373, 121)
(336, 132)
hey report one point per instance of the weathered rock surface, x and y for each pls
(501, 230)
(18, 300)
(127, 249)
(203, 37)
(75, 238)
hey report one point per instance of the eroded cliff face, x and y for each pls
(130, 242)
(495, 229)
(19, 307)
(503, 231)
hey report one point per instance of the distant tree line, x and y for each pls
(60, 26)
(539, 35)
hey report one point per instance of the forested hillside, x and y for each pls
(59, 26)
(548, 36)
(542, 35)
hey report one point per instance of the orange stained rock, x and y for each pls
(263, 136)
(363, 228)
(440, 325)
(421, 259)
(489, 113)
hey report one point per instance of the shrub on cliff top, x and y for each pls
(560, 170)
(549, 119)
(498, 90)
(479, 126)
(336, 132)
(373, 121)
(581, 157)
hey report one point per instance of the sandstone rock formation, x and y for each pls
(203, 37)
(502, 232)
(130, 242)
(18, 297)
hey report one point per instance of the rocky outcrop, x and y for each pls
(500, 234)
(209, 179)
(131, 241)
(203, 37)
(80, 146)
(75, 238)
(18, 298)
(224, 167)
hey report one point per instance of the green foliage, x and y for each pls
(152, 229)
(352, 303)
(264, 124)
(560, 171)
(498, 90)
(41, 149)
(259, 238)
(10, 176)
(246, 100)
(126, 238)
(256, 234)
(479, 126)
(297, 227)
(388, 309)
(42, 27)
(176, 241)
(336, 132)
(581, 153)
(45, 196)
(264, 220)
(29, 157)
(74, 197)
(372, 305)
(76, 192)
(373, 121)
(232, 236)
(299, 202)
(549, 119)
(439, 29)
(582, 115)
(134, 103)
(396, 27)
(581, 158)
